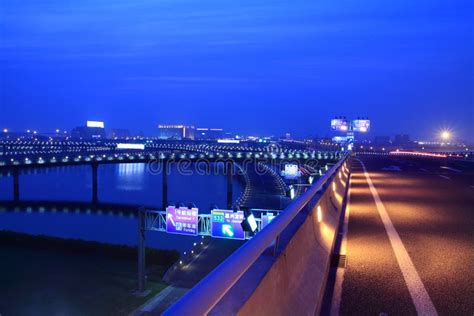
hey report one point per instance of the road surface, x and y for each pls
(413, 251)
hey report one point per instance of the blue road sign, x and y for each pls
(267, 219)
(227, 224)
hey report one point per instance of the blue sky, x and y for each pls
(249, 66)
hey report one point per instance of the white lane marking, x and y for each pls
(451, 169)
(418, 293)
(337, 292)
(444, 177)
(472, 186)
(423, 169)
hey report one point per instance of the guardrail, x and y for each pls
(203, 297)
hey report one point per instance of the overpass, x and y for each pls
(18, 157)
(257, 166)
(378, 234)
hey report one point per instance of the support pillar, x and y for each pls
(141, 253)
(164, 193)
(16, 185)
(95, 194)
(229, 172)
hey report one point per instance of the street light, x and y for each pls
(445, 135)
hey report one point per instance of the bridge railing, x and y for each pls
(203, 297)
(155, 220)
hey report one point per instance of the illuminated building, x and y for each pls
(176, 132)
(92, 130)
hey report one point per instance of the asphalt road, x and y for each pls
(429, 204)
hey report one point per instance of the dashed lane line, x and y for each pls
(451, 169)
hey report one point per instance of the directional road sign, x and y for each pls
(182, 220)
(227, 224)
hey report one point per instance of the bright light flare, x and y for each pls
(445, 135)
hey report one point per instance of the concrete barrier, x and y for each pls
(294, 280)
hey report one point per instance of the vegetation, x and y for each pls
(42, 275)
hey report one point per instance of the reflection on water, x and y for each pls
(131, 184)
(131, 176)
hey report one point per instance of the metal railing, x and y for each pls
(209, 291)
(156, 221)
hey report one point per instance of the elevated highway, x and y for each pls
(399, 241)
(410, 237)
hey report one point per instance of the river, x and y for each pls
(132, 184)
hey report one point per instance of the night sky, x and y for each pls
(266, 67)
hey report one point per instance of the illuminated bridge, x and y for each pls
(377, 234)
(17, 157)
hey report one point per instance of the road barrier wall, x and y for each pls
(283, 270)
(296, 281)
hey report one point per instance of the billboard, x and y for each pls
(96, 124)
(131, 146)
(361, 125)
(228, 141)
(182, 220)
(291, 172)
(227, 224)
(340, 125)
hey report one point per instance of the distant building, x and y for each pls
(118, 133)
(176, 132)
(401, 139)
(204, 133)
(92, 130)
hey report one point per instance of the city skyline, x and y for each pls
(269, 67)
(437, 136)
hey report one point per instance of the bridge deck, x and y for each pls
(430, 204)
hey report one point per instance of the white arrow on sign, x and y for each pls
(227, 230)
(170, 217)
